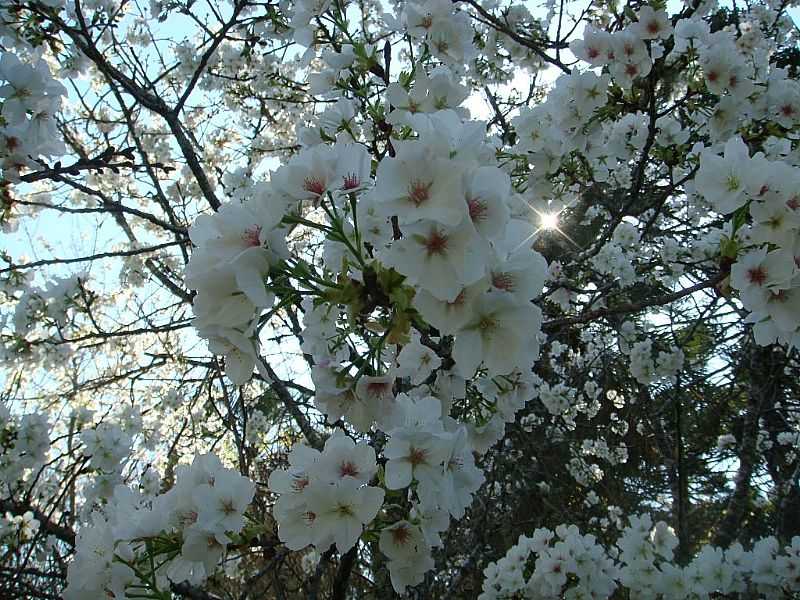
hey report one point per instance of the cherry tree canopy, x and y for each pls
(429, 299)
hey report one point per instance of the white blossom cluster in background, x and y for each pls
(15, 529)
(49, 305)
(203, 510)
(567, 564)
(31, 97)
(24, 442)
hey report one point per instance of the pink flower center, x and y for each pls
(300, 483)
(378, 388)
(401, 535)
(780, 296)
(436, 243)
(757, 275)
(347, 468)
(252, 235)
(417, 456)
(503, 281)
(351, 181)
(189, 518)
(314, 185)
(477, 209)
(459, 300)
(419, 192)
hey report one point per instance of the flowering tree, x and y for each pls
(427, 298)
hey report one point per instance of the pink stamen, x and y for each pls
(252, 236)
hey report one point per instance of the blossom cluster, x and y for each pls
(757, 191)
(567, 564)
(142, 539)
(24, 443)
(645, 369)
(325, 497)
(454, 217)
(31, 97)
(49, 304)
(458, 259)
(766, 271)
(447, 34)
(17, 529)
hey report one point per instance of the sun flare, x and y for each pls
(548, 220)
